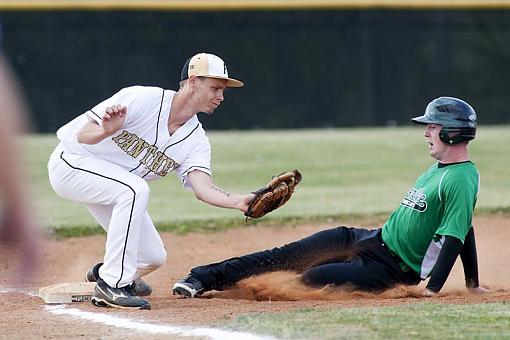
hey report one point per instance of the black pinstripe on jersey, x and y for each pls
(174, 143)
(157, 130)
(95, 114)
(197, 166)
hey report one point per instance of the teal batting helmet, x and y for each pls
(456, 116)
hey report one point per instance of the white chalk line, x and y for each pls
(119, 322)
(17, 290)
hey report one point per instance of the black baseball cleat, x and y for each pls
(139, 286)
(106, 296)
(189, 287)
(93, 273)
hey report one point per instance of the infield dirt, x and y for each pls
(22, 315)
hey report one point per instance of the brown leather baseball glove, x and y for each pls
(275, 194)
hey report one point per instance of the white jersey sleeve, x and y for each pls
(199, 158)
(142, 104)
(69, 131)
(125, 97)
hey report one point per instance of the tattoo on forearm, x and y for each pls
(221, 190)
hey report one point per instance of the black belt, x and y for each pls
(403, 266)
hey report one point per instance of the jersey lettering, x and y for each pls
(416, 200)
(122, 137)
(150, 152)
(169, 165)
(129, 142)
(138, 148)
(154, 160)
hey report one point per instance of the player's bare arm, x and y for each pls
(206, 191)
(476, 290)
(479, 290)
(113, 119)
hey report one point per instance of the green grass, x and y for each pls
(345, 172)
(416, 321)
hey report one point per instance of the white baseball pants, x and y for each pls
(118, 201)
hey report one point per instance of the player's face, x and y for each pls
(209, 93)
(437, 148)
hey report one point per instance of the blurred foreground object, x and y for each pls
(16, 215)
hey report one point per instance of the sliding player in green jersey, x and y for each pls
(422, 238)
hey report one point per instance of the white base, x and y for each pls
(67, 292)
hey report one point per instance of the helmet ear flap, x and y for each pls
(445, 137)
(461, 135)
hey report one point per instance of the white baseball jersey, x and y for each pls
(143, 145)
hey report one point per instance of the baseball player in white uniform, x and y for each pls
(107, 154)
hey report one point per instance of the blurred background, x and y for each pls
(306, 64)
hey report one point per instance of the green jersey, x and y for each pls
(440, 204)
